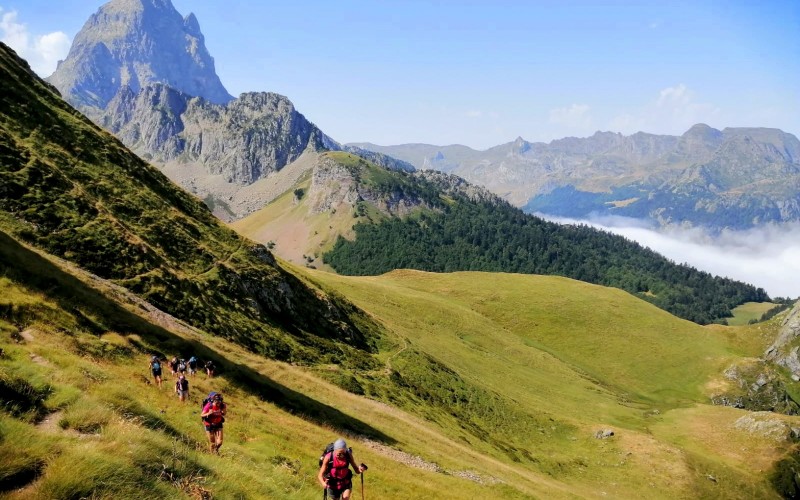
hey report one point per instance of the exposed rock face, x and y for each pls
(133, 43)
(783, 351)
(333, 183)
(758, 385)
(244, 140)
(735, 178)
(767, 425)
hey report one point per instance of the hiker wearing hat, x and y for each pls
(335, 474)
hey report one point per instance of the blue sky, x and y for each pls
(482, 73)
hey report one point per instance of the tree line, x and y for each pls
(497, 237)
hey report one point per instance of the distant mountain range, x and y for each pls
(141, 70)
(733, 178)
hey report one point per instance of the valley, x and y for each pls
(462, 347)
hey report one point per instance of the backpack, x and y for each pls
(208, 400)
(192, 361)
(182, 385)
(182, 366)
(329, 451)
(155, 364)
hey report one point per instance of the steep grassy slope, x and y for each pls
(75, 191)
(80, 417)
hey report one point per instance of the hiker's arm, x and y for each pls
(354, 464)
(321, 475)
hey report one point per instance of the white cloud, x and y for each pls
(42, 52)
(474, 113)
(767, 257)
(576, 116)
(674, 111)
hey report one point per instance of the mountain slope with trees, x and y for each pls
(490, 235)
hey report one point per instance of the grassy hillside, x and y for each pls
(305, 222)
(73, 190)
(489, 235)
(80, 417)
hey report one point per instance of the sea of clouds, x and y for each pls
(767, 257)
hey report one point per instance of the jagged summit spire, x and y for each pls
(134, 43)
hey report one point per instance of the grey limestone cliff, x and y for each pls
(132, 43)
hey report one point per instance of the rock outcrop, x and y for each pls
(759, 384)
(784, 351)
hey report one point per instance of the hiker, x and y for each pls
(181, 367)
(210, 368)
(155, 368)
(192, 365)
(173, 365)
(182, 387)
(213, 416)
(335, 474)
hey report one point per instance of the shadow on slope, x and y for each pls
(35, 271)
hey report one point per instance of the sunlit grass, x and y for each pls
(559, 359)
(749, 311)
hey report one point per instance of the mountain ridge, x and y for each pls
(748, 175)
(131, 72)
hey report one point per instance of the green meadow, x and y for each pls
(489, 385)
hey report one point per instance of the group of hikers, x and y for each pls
(179, 368)
(335, 474)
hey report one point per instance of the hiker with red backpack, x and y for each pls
(334, 471)
(213, 416)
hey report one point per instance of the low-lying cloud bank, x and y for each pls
(767, 257)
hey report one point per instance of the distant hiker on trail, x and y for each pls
(334, 472)
(181, 366)
(192, 365)
(210, 368)
(155, 368)
(173, 365)
(213, 416)
(182, 387)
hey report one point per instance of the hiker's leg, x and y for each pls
(219, 439)
(211, 441)
(346, 495)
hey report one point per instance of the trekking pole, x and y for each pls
(363, 468)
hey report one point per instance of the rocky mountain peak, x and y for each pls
(134, 43)
(192, 26)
